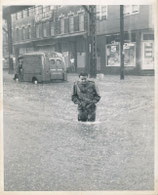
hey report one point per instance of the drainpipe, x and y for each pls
(10, 44)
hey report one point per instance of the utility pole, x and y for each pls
(121, 43)
(92, 45)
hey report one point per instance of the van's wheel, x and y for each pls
(35, 81)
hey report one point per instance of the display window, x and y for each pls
(113, 54)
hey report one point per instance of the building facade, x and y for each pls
(138, 40)
(65, 29)
(52, 28)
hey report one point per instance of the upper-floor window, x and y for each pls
(24, 13)
(37, 31)
(62, 25)
(46, 29)
(18, 15)
(46, 11)
(81, 22)
(23, 35)
(131, 9)
(71, 24)
(17, 34)
(38, 10)
(52, 7)
(31, 11)
(147, 37)
(13, 17)
(101, 12)
(29, 32)
(52, 29)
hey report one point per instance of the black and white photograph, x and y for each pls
(79, 97)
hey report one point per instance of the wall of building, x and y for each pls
(136, 21)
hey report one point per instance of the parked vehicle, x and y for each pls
(42, 67)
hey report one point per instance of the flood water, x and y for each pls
(47, 149)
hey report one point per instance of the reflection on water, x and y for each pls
(88, 129)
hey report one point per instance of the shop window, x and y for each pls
(101, 12)
(52, 29)
(131, 9)
(81, 22)
(71, 24)
(113, 54)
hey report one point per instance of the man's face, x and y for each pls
(83, 79)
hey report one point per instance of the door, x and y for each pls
(56, 69)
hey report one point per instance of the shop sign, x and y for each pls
(148, 55)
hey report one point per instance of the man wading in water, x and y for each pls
(86, 95)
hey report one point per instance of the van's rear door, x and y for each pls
(56, 69)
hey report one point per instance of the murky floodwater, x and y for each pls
(46, 148)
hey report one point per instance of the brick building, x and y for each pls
(64, 29)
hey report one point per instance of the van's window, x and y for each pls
(52, 64)
(32, 63)
(59, 64)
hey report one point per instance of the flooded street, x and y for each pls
(47, 149)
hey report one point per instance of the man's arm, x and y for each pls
(97, 94)
(74, 97)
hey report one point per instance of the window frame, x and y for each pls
(131, 10)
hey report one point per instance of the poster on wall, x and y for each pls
(129, 54)
(113, 54)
